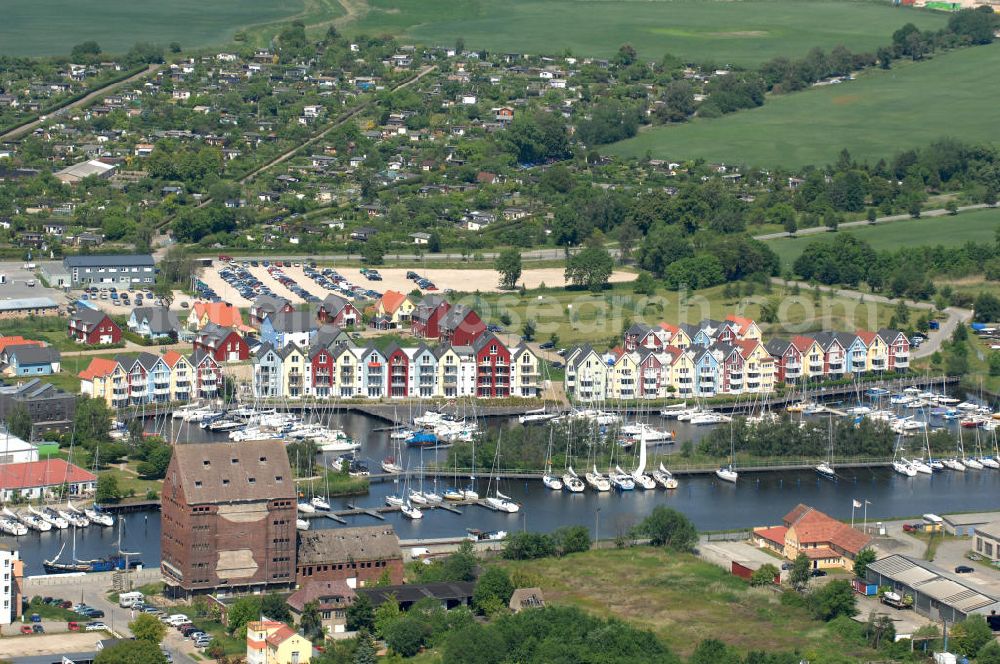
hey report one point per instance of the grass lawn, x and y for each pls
(875, 116)
(52, 27)
(978, 226)
(49, 612)
(682, 600)
(581, 317)
(742, 33)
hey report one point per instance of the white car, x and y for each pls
(95, 627)
(177, 619)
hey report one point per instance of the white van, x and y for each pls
(128, 600)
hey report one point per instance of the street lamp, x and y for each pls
(597, 524)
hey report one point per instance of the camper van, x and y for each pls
(128, 600)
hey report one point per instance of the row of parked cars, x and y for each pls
(124, 297)
(332, 280)
(278, 275)
(421, 282)
(183, 624)
(243, 282)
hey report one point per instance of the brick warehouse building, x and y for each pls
(358, 556)
(228, 521)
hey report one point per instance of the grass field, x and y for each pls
(875, 116)
(580, 317)
(977, 226)
(52, 27)
(695, 30)
(682, 599)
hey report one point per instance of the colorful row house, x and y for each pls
(147, 378)
(486, 369)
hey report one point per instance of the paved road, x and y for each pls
(934, 337)
(83, 101)
(851, 224)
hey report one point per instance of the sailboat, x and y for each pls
(548, 479)
(97, 516)
(392, 464)
(50, 517)
(30, 520)
(825, 469)
(639, 476)
(621, 480)
(536, 416)
(664, 477)
(571, 481)
(597, 481)
(118, 561)
(498, 501)
(411, 512)
(12, 526)
(902, 466)
(967, 462)
(728, 473)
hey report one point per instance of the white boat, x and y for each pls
(502, 503)
(536, 416)
(552, 482)
(301, 524)
(639, 476)
(953, 464)
(989, 462)
(621, 480)
(826, 470)
(727, 474)
(935, 464)
(710, 418)
(390, 466)
(651, 434)
(813, 409)
(469, 493)
(50, 517)
(972, 463)
(30, 520)
(411, 512)
(597, 481)
(671, 412)
(919, 466)
(686, 415)
(394, 501)
(98, 517)
(572, 482)
(306, 508)
(319, 503)
(417, 497)
(401, 434)
(12, 527)
(453, 494)
(904, 468)
(75, 519)
(664, 478)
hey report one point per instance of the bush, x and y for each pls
(526, 546)
(668, 528)
(493, 589)
(406, 636)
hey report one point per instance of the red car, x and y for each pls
(25, 629)
(73, 626)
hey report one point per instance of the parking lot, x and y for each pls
(17, 283)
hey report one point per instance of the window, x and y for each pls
(252, 480)
(225, 482)
(197, 483)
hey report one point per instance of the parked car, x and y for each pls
(73, 626)
(964, 569)
(25, 629)
(547, 345)
(95, 627)
(35, 618)
(37, 629)
(911, 527)
(818, 572)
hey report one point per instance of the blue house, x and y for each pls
(29, 360)
(284, 328)
(706, 371)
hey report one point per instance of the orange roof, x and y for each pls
(746, 346)
(99, 367)
(673, 329)
(222, 314)
(866, 336)
(814, 527)
(171, 358)
(17, 341)
(280, 635)
(821, 553)
(392, 300)
(744, 323)
(774, 534)
(802, 343)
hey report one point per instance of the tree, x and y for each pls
(243, 611)
(835, 599)
(864, 558)
(360, 615)
(969, 636)
(387, 613)
(274, 607)
(989, 654)
(644, 284)
(591, 268)
(790, 226)
(374, 251)
(987, 308)
(493, 589)
(626, 55)
(872, 215)
(131, 652)
(508, 264)
(148, 627)
(311, 622)
(914, 208)
(92, 422)
(406, 635)
(952, 207)
(901, 313)
(19, 421)
(526, 546)
(713, 651)
(528, 330)
(85, 51)
(763, 575)
(571, 539)
(799, 574)
(107, 489)
(365, 653)
(669, 528)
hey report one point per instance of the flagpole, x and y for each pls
(854, 506)
(866, 516)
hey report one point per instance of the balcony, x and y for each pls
(138, 389)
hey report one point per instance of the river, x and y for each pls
(758, 499)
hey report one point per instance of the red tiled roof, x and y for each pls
(743, 323)
(392, 300)
(314, 591)
(774, 534)
(866, 336)
(33, 474)
(820, 553)
(222, 314)
(813, 527)
(801, 343)
(17, 341)
(280, 635)
(171, 358)
(99, 367)
(673, 329)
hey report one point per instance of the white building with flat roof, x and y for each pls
(15, 450)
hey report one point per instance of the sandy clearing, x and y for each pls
(51, 644)
(462, 280)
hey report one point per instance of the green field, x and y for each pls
(875, 116)
(52, 27)
(743, 33)
(977, 226)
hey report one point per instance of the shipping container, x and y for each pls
(865, 588)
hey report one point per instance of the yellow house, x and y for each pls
(524, 379)
(827, 543)
(682, 374)
(395, 307)
(294, 369)
(106, 380)
(877, 358)
(676, 336)
(181, 375)
(624, 377)
(587, 375)
(271, 642)
(812, 356)
(346, 377)
(746, 328)
(758, 367)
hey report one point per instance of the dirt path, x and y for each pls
(815, 230)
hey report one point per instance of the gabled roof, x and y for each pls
(742, 324)
(827, 339)
(17, 341)
(172, 357)
(777, 346)
(318, 591)
(866, 336)
(802, 343)
(334, 304)
(50, 472)
(392, 300)
(99, 367)
(456, 316)
(32, 354)
(269, 304)
(815, 527)
(342, 544)
(221, 313)
(888, 334)
(212, 335)
(161, 320)
(87, 319)
(293, 322)
(280, 635)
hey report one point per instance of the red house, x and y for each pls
(224, 344)
(322, 366)
(731, 361)
(461, 326)
(88, 326)
(207, 375)
(399, 371)
(427, 316)
(492, 367)
(335, 310)
(787, 360)
(650, 372)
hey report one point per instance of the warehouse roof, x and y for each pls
(362, 543)
(114, 260)
(234, 472)
(28, 303)
(936, 584)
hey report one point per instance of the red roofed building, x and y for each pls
(827, 542)
(332, 599)
(17, 341)
(270, 642)
(38, 479)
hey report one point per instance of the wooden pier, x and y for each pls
(380, 511)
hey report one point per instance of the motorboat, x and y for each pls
(651, 435)
(301, 524)
(709, 417)
(935, 464)
(597, 481)
(411, 512)
(320, 503)
(572, 482)
(401, 434)
(904, 468)
(502, 503)
(826, 470)
(476, 535)
(536, 416)
(664, 478)
(813, 408)
(306, 508)
(727, 474)
(671, 412)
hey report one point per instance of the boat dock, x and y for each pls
(380, 511)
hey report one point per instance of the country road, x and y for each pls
(815, 230)
(934, 337)
(83, 101)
